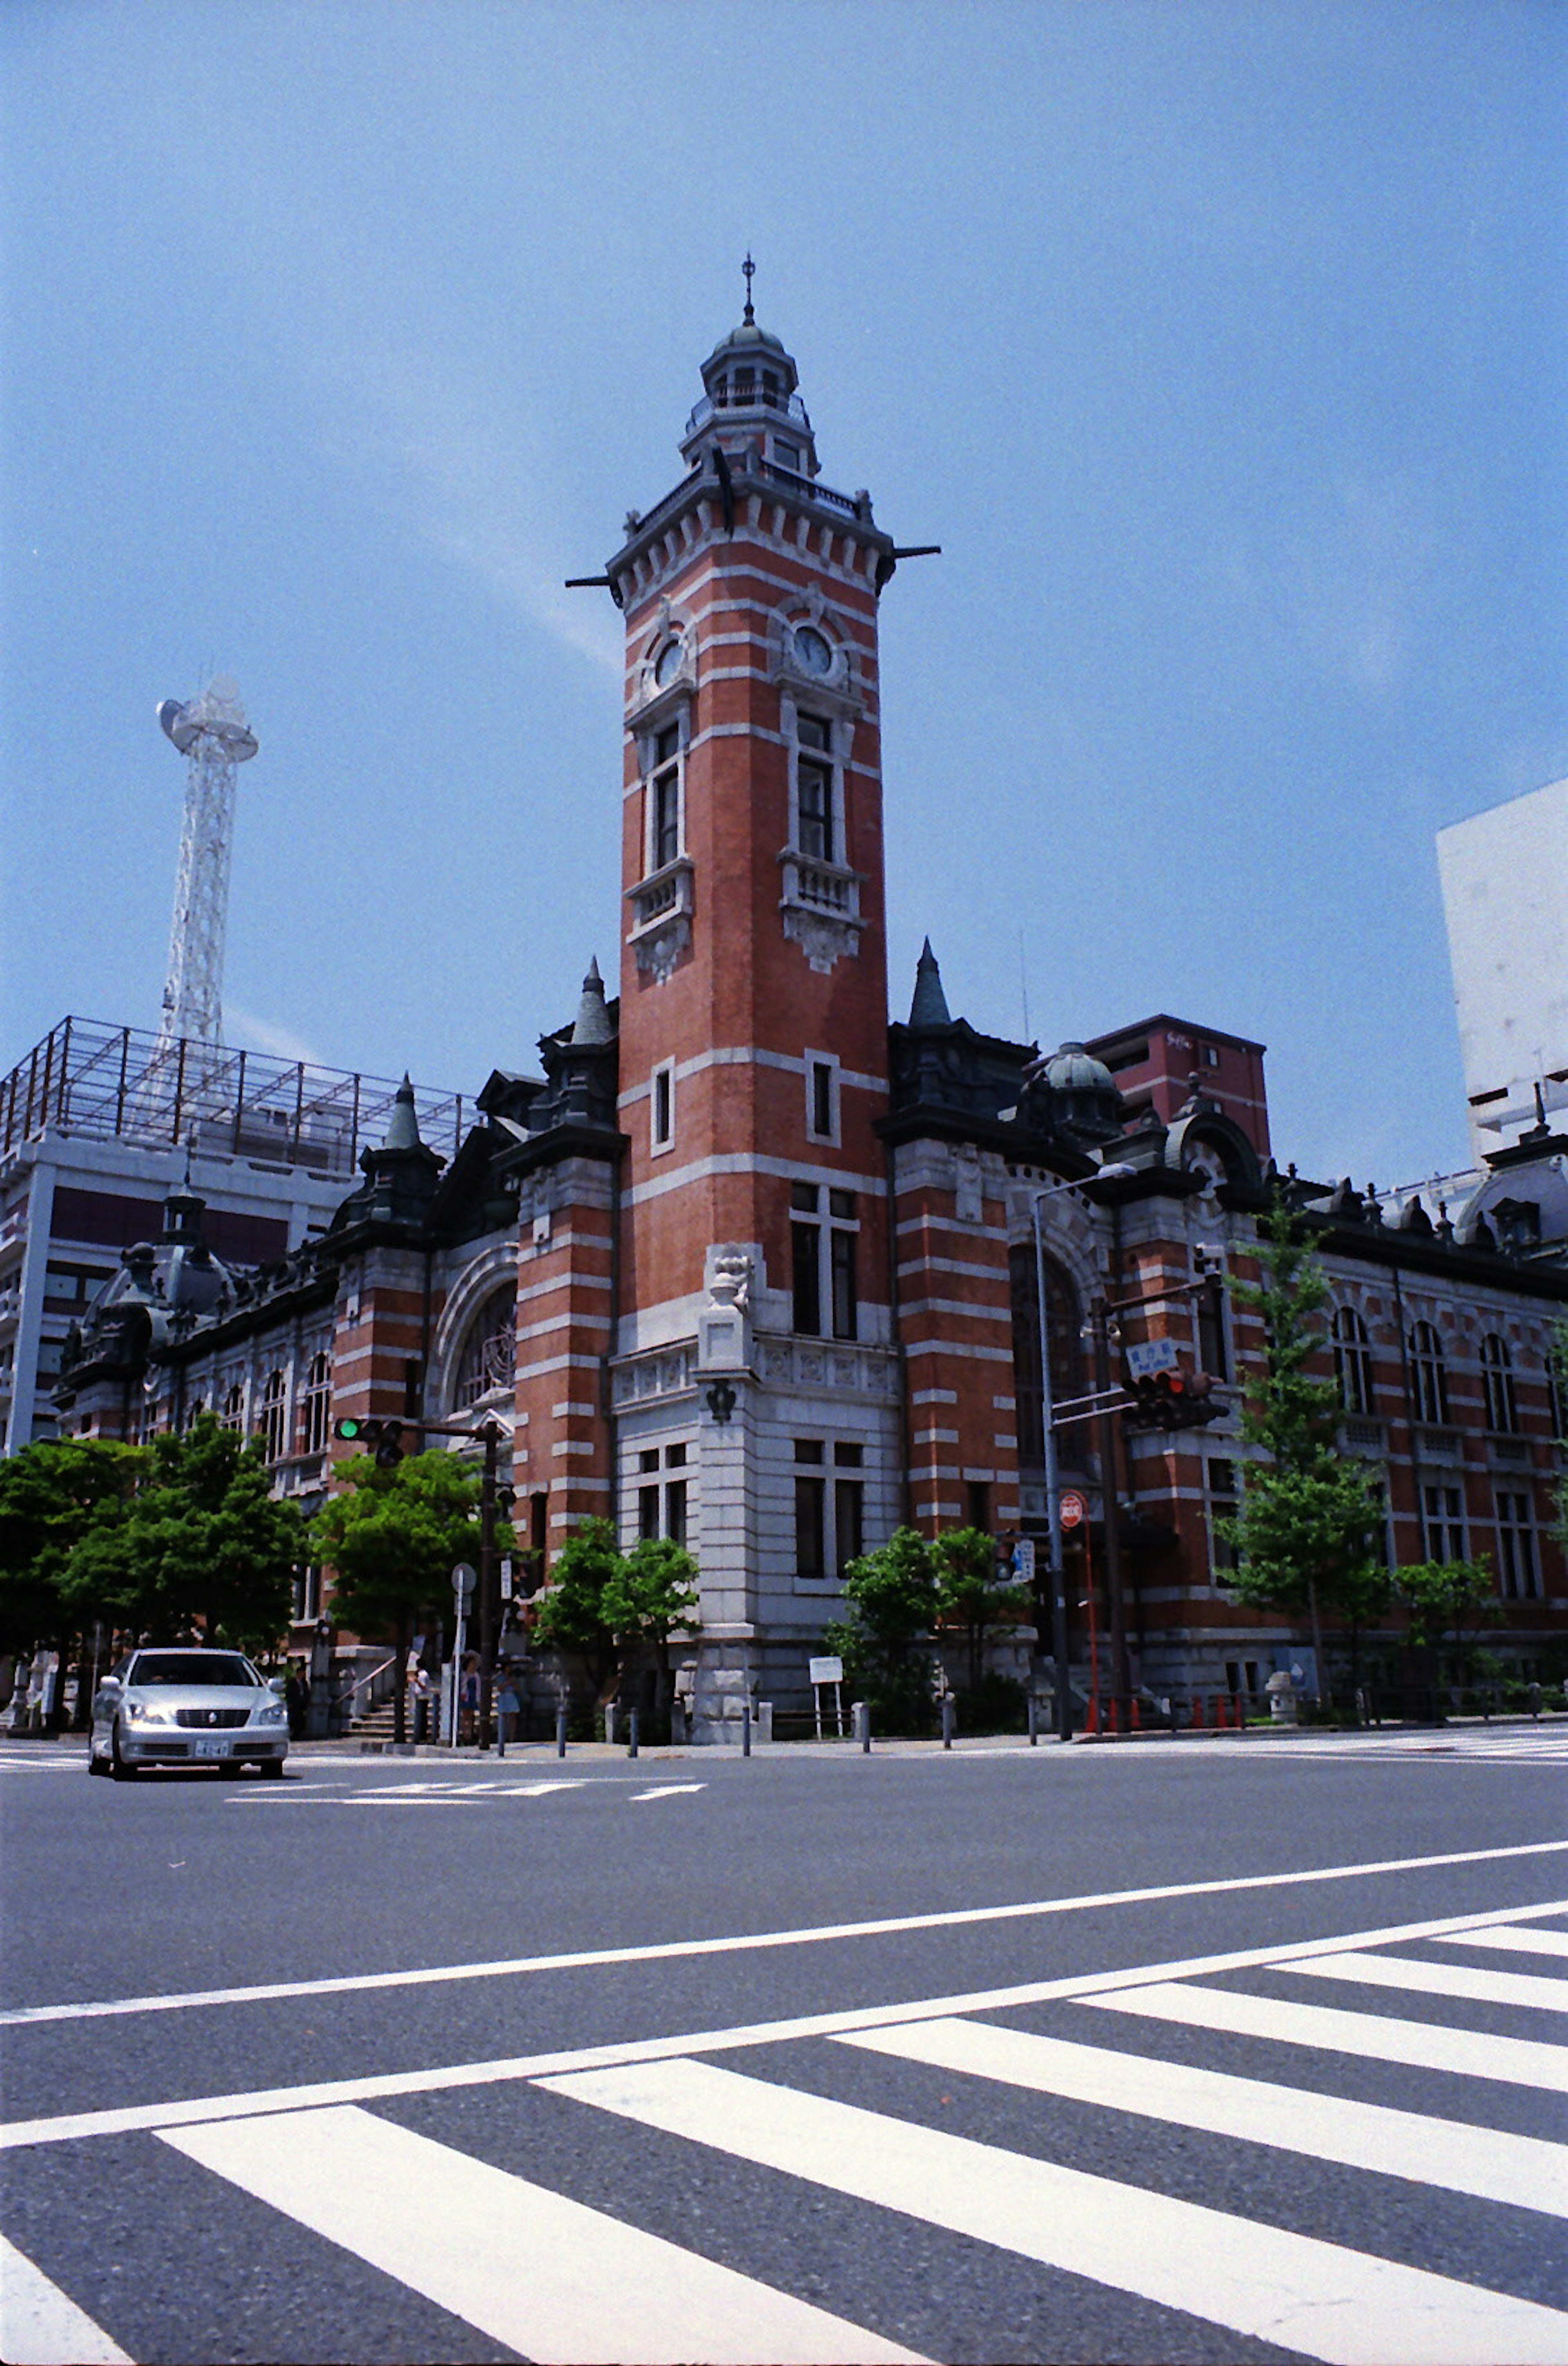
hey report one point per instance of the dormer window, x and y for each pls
(787, 456)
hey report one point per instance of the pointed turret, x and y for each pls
(592, 1025)
(402, 1126)
(929, 1008)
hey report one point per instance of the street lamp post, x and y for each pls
(1055, 1575)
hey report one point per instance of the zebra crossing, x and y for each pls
(554, 2277)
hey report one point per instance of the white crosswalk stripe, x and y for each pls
(557, 2279)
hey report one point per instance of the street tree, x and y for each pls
(611, 1609)
(201, 1547)
(893, 1598)
(51, 1494)
(392, 1538)
(1305, 1533)
(1557, 1356)
(974, 1596)
(1443, 1599)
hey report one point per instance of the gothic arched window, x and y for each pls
(233, 1414)
(1498, 1377)
(1352, 1361)
(1429, 1375)
(489, 1349)
(316, 1406)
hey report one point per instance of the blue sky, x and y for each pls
(1220, 346)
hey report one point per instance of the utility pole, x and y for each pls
(1108, 1424)
(490, 1605)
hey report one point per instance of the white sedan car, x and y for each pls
(168, 1706)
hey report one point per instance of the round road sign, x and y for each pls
(1072, 1509)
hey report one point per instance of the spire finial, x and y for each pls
(749, 267)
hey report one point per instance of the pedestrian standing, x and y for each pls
(507, 1704)
(423, 1693)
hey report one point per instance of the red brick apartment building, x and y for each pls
(747, 1264)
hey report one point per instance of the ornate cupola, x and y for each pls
(751, 408)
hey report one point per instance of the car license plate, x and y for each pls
(212, 1745)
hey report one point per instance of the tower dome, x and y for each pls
(750, 403)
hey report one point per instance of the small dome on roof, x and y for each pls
(1074, 1069)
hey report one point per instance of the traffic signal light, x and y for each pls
(382, 1439)
(1172, 1400)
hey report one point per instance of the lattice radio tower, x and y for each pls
(211, 733)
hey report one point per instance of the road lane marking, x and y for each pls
(671, 1950)
(1143, 1977)
(666, 1791)
(1414, 1977)
(1373, 2036)
(1526, 2172)
(554, 2279)
(1327, 2301)
(1525, 1942)
(39, 2326)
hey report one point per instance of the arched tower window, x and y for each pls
(1429, 1375)
(270, 1413)
(233, 1414)
(489, 1349)
(1498, 1377)
(1352, 1361)
(1063, 1327)
(317, 1406)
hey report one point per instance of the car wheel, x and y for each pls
(117, 1766)
(273, 1766)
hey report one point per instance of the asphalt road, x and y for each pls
(1145, 2053)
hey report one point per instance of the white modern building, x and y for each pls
(1505, 883)
(99, 1124)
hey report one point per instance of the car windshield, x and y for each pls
(193, 1668)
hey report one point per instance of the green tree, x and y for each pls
(1309, 1516)
(1557, 1355)
(611, 1608)
(894, 1601)
(392, 1539)
(201, 1547)
(1443, 1598)
(51, 1494)
(973, 1596)
(652, 1596)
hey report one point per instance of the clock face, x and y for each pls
(812, 653)
(667, 665)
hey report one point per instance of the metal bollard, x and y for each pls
(948, 1720)
(861, 1717)
(560, 1733)
(634, 1732)
(745, 1728)
(1033, 1708)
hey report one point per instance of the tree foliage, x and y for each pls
(610, 1609)
(392, 1539)
(894, 1600)
(972, 1596)
(1558, 1354)
(50, 1494)
(1443, 1597)
(1309, 1518)
(200, 1546)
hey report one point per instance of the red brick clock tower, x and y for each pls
(753, 1382)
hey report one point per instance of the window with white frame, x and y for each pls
(1497, 1379)
(1352, 1361)
(661, 1106)
(821, 1096)
(661, 1495)
(233, 1414)
(316, 1406)
(489, 1350)
(1429, 1375)
(271, 1411)
(815, 832)
(830, 1508)
(1518, 1576)
(662, 797)
(1442, 1522)
(823, 1260)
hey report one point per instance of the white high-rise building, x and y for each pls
(1505, 882)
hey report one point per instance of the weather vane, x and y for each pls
(749, 267)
